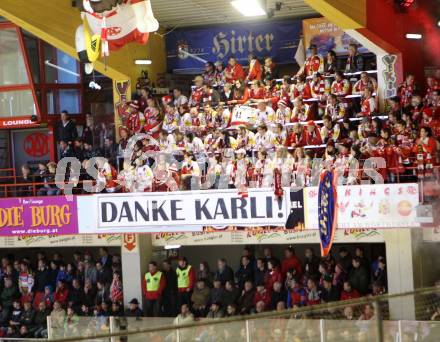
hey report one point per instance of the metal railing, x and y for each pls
(382, 318)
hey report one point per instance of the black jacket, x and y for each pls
(28, 317)
(244, 274)
(105, 275)
(226, 275)
(135, 313)
(278, 297)
(331, 295)
(68, 133)
(40, 320)
(355, 63)
(42, 278)
(359, 279)
(4, 317)
(171, 283)
(260, 276)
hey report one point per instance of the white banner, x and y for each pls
(180, 211)
(264, 236)
(369, 206)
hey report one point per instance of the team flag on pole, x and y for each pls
(327, 205)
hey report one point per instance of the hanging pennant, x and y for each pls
(327, 214)
(108, 25)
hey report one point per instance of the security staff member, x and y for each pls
(154, 284)
(185, 281)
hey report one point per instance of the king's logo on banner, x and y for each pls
(327, 205)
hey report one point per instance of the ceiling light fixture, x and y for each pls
(413, 36)
(143, 62)
(249, 8)
(168, 247)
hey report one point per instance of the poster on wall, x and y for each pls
(31, 147)
(55, 215)
(327, 36)
(278, 39)
(369, 206)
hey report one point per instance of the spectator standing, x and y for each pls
(355, 61)
(359, 276)
(154, 284)
(169, 298)
(66, 129)
(290, 261)
(234, 71)
(103, 274)
(274, 275)
(245, 272)
(116, 291)
(260, 272)
(224, 272)
(185, 281)
(9, 294)
(345, 259)
(204, 273)
(311, 263)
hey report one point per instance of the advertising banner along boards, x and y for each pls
(369, 206)
(181, 211)
(55, 215)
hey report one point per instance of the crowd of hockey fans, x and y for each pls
(88, 288)
(239, 126)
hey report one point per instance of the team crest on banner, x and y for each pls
(327, 202)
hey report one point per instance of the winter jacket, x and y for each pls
(359, 280)
(246, 301)
(200, 298)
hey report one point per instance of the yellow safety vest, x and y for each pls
(183, 277)
(153, 282)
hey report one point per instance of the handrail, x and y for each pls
(276, 314)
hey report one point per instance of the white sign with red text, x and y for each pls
(369, 206)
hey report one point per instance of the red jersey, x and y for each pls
(255, 70)
(134, 122)
(368, 106)
(258, 94)
(196, 97)
(236, 73)
(313, 138)
(302, 90)
(291, 263)
(314, 64)
(295, 140)
(341, 87)
(318, 88)
(406, 91)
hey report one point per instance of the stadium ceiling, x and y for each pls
(185, 13)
